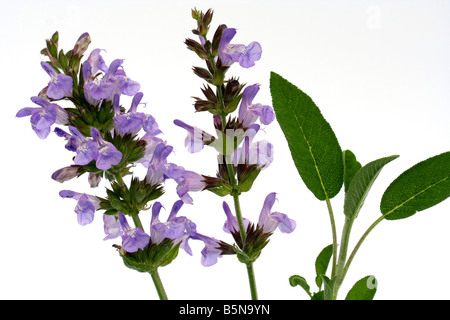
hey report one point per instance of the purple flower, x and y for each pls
(230, 53)
(108, 155)
(95, 85)
(60, 84)
(179, 229)
(86, 205)
(231, 225)
(111, 226)
(195, 138)
(102, 82)
(190, 181)
(249, 112)
(212, 250)
(133, 238)
(96, 62)
(44, 117)
(259, 153)
(269, 221)
(86, 149)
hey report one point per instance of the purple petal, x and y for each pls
(86, 152)
(108, 156)
(59, 86)
(247, 98)
(24, 112)
(129, 87)
(111, 227)
(85, 210)
(175, 208)
(134, 240)
(268, 204)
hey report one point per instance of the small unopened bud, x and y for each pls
(65, 174)
(81, 45)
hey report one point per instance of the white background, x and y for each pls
(378, 70)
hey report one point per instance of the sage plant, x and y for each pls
(240, 157)
(326, 169)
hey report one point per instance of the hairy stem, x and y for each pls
(158, 285)
(334, 235)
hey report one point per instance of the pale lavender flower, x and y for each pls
(231, 224)
(249, 113)
(230, 53)
(133, 238)
(60, 84)
(111, 226)
(258, 153)
(44, 117)
(96, 62)
(212, 250)
(190, 181)
(269, 221)
(195, 138)
(132, 120)
(178, 229)
(86, 205)
(108, 155)
(86, 149)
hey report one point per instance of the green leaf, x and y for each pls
(314, 147)
(351, 166)
(322, 262)
(418, 188)
(297, 280)
(364, 289)
(63, 60)
(361, 184)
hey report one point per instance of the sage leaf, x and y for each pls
(322, 262)
(361, 184)
(420, 187)
(351, 166)
(363, 289)
(297, 280)
(313, 145)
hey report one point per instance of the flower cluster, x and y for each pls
(240, 156)
(107, 141)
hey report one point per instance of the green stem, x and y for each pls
(358, 245)
(240, 220)
(158, 285)
(342, 255)
(333, 231)
(251, 278)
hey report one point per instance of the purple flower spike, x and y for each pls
(245, 55)
(60, 84)
(269, 221)
(133, 238)
(44, 117)
(108, 155)
(86, 205)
